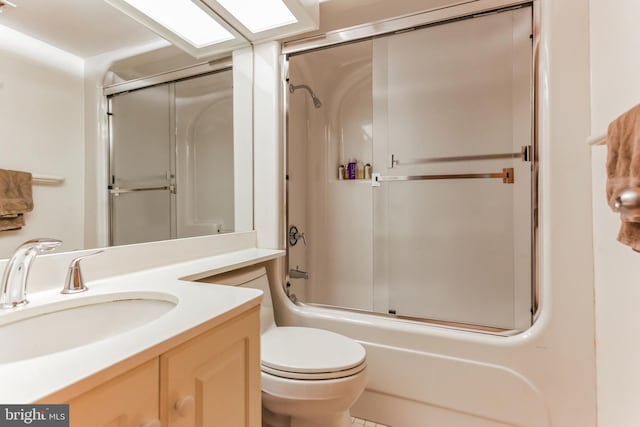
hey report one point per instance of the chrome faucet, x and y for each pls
(13, 290)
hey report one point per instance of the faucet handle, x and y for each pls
(74, 282)
(295, 235)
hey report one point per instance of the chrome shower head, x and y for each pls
(316, 101)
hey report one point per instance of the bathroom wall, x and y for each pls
(615, 87)
(426, 376)
(42, 131)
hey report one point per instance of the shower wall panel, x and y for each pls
(204, 154)
(337, 213)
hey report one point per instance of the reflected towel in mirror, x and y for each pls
(15, 198)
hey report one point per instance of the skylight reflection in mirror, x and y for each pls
(185, 19)
(259, 15)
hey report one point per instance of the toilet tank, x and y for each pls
(253, 276)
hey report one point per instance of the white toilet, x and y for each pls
(310, 377)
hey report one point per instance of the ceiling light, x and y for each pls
(185, 19)
(259, 15)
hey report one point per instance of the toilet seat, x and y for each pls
(310, 354)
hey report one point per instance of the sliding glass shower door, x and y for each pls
(142, 166)
(441, 118)
(456, 249)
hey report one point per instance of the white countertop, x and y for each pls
(29, 380)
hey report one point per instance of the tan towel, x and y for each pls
(623, 169)
(15, 198)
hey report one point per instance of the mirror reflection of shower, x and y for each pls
(316, 101)
(172, 162)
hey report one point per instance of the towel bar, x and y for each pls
(627, 200)
(524, 154)
(38, 179)
(597, 140)
(507, 176)
(116, 191)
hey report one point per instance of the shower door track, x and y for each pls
(490, 330)
(439, 16)
(169, 76)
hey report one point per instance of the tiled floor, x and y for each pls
(357, 422)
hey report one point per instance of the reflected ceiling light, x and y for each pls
(204, 28)
(259, 15)
(185, 19)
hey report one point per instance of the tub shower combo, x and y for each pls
(411, 172)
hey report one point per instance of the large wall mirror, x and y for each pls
(188, 133)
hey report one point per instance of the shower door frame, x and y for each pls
(392, 26)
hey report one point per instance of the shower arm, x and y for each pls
(293, 88)
(314, 97)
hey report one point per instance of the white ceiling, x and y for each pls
(90, 27)
(83, 27)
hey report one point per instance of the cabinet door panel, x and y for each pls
(128, 400)
(213, 380)
(221, 388)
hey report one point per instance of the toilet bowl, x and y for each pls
(310, 377)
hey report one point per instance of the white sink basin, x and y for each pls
(35, 331)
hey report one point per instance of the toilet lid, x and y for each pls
(296, 352)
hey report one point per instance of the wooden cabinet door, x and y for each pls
(129, 400)
(213, 380)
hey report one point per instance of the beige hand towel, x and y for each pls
(15, 198)
(623, 169)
